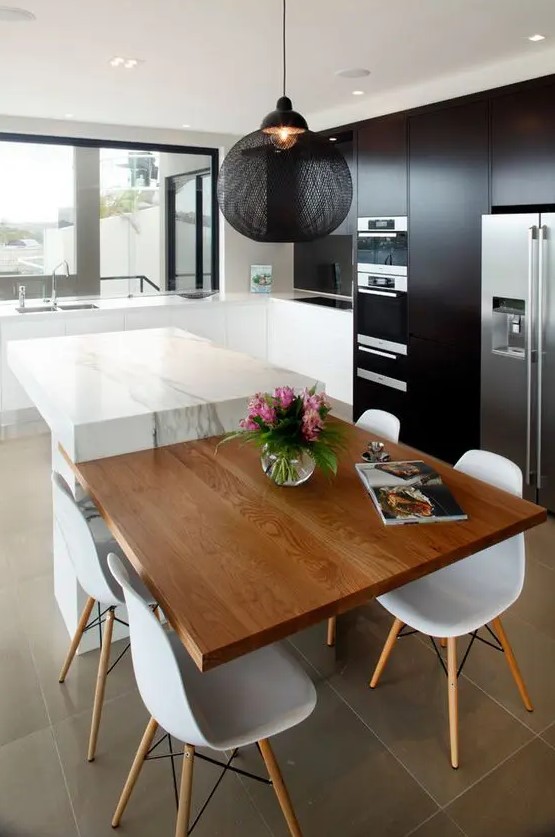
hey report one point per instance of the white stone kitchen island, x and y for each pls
(113, 393)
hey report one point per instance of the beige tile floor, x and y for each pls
(365, 763)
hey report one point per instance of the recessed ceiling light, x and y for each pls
(332, 139)
(353, 72)
(126, 63)
(536, 37)
(68, 116)
(9, 14)
(186, 125)
(358, 92)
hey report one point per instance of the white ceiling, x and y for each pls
(216, 64)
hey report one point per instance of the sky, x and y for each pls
(36, 180)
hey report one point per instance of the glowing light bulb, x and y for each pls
(283, 136)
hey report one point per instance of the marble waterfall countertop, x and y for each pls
(111, 393)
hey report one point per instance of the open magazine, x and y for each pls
(409, 492)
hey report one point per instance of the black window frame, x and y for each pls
(171, 148)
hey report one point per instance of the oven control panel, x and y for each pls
(382, 282)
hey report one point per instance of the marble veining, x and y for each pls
(122, 391)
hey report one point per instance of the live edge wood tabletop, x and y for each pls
(237, 563)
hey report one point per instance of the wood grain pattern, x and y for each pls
(237, 563)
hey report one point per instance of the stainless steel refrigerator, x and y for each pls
(518, 346)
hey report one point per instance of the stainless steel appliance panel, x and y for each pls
(509, 268)
(546, 361)
(382, 245)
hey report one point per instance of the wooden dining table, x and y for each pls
(237, 563)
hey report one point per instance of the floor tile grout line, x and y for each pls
(51, 726)
(499, 704)
(544, 741)
(368, 727)
(382, 742)
(244, 784)
(469, 679)
(534, 735)
(489, 772)
(431, 817)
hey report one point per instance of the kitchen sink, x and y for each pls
(77, 306)
(41, 309)
(36, 309)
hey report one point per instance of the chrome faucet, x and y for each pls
(67, 273)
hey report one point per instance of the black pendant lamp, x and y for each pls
(284, 183)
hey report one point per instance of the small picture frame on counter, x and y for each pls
(261, 278)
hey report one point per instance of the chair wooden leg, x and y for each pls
(89, 604)
(101, 682)
(156, 612)
(443, 642)
(332, 624)
(144, 747)
(452, 685)
(386, 651)
(185, 792)
(279, 787)
(513, 665)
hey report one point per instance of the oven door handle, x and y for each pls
(377, 234)
(378, 293)
(377, 352)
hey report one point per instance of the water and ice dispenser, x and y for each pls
(508, 326)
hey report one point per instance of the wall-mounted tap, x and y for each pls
(65, 265)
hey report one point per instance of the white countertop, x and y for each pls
(111, 393)
(8, 309)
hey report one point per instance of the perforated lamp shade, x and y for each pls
(284, 189)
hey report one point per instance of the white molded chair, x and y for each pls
(467, 595)
(238, 703)
(380, 422)
(89, 542)
(386, 425)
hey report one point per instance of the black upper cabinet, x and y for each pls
(448, 164)
(523, 147)
(382, 166)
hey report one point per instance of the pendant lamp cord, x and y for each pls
(284, 61)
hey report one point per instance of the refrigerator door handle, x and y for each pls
(529, 351)
(542, 231)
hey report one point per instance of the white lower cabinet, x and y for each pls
(304, 338)
(247, 329)
(96, 323)
(149, 318)
(206, 320)
(313, 341)
(13, 396)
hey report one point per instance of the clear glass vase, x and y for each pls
(287, 471)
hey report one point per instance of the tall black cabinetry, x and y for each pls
(382, 166)
(448, 193)
(523, 146)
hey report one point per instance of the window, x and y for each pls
(98, 206)
(37, 215)
(190, 239)
(130, 223)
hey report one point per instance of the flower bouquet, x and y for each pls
(292, 432)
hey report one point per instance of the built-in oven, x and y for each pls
(381, 312)
(381, 326)
(382, 246)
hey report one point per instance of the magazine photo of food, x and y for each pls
(409, 492)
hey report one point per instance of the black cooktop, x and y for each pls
(328, 301)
